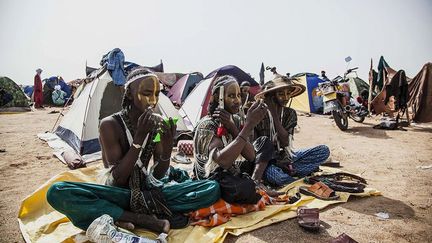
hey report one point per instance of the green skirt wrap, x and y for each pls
(84, 202)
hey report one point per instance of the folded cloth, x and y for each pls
(73, 160)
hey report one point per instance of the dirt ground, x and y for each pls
(387, 159)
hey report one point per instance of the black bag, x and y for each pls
(237, 189)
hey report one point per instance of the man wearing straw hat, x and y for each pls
(279, 125)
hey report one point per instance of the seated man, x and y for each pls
(58, 96)
(279, 125)
(220, 138)
(132, 194)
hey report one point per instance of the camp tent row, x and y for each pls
(101, 98)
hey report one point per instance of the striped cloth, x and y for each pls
(221, 211)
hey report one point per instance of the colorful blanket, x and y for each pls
(39, 222)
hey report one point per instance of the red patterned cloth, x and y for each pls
(185, 146)
(220, 212)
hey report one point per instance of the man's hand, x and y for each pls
(146, 124)
(256, 113)
(225, 118)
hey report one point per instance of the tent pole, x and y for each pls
(61, 113)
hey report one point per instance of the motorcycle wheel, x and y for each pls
(340, 119)
(359, 119)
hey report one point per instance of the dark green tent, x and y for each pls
(12, 97)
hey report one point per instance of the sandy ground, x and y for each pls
(388, 159)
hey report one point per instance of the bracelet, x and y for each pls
(164, 160)
(240, 136)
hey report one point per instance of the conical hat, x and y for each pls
(281, 82)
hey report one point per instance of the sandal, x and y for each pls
(343, 238)
(320, 191)
(308, 218)
(334, 164)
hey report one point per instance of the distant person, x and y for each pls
(38, 91)
(324, 76)
(58, 96)
(246, 96)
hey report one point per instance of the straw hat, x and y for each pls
(281, 82)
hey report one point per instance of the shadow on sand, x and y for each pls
(368, 132)
(287, 231)
(421, 129)
(372, 205)
(290, 231)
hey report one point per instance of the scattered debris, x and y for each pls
(53, 112)
(427, 205)
(424, 167)
(2, 150)
(382, 215)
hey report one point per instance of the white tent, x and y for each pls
(166, 108)
(195, 105)
(80, 126)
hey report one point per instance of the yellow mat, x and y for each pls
(39, 222)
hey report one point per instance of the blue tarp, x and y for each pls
(28, 90)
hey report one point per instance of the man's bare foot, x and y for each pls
(145, 221)
(153, 223)
(125, 225)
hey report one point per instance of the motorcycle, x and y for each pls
(339, 102)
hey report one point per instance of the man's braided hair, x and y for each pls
(126, 102)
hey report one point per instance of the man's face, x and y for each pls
(232, 98)
(145, 93)
(282, 96)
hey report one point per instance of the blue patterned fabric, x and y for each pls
(305, 161)
(276, 177)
